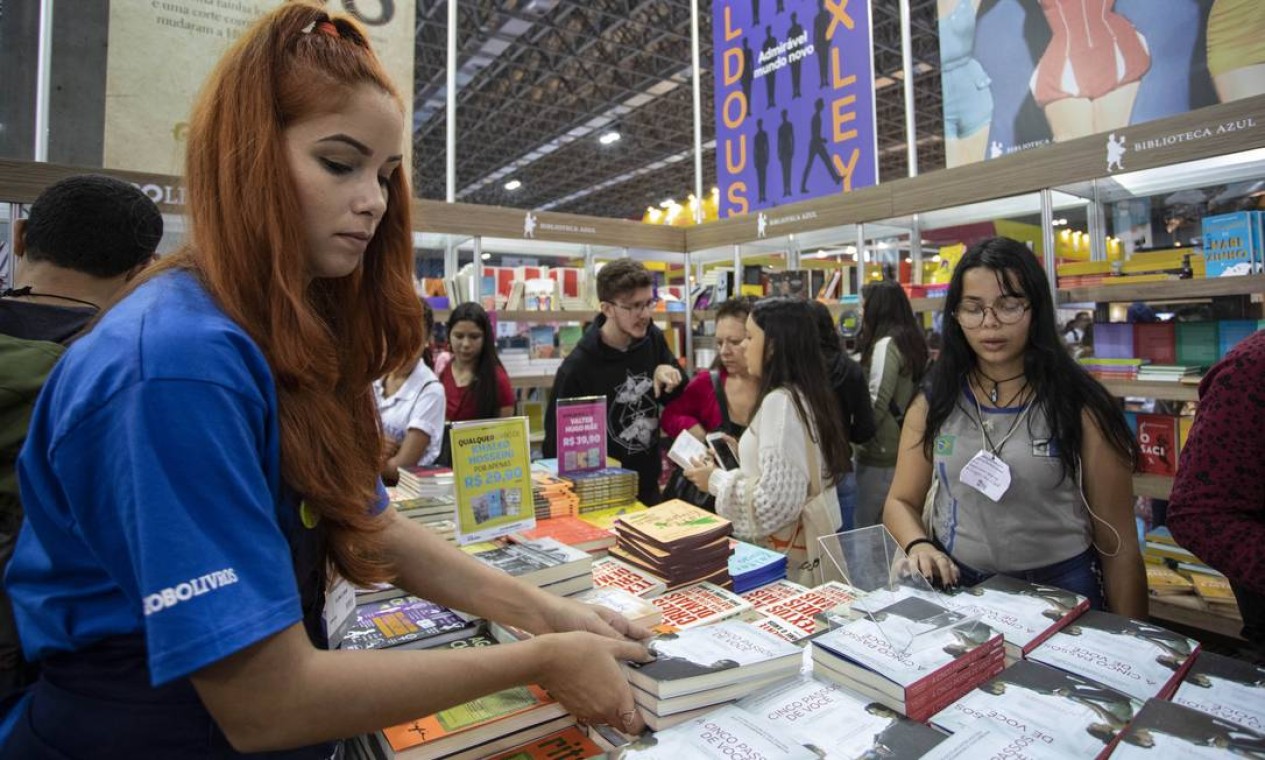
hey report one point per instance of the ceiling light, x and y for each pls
(609, 137)
(513, 185)
(486, 256)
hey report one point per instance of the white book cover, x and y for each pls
(1225, 688)
(778, 627)
(840, 723)
(611, 572)
(1137, 658)
(699, 604)
(772, 593)
(728, 732)
(625, 603)
(710, 657)
(1021, 612)
(687, 448)
(1058, 711)
(1167, 730)
(800, 610)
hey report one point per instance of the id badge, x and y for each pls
(987, 474)
(340, 609)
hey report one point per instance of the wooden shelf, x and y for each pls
(544, 317)
(531, 381)
(1167, 391)
(1152, 486)
(1153, 291)
(1221, 625)
(927, 304)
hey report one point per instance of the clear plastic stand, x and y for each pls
(898, 600)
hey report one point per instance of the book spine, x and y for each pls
(1068, 618)
(992, 649)
(950, 691)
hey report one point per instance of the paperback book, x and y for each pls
(631, 606)
(752, 566)
(568, 744)
(773, 593)
(406, 622)
(801, 610)
(1168, 730)
(712, 657)
(699, 605)
(608, 571)
(1225, 688)
(1139, 659)
(1024, 613)
(539, 563)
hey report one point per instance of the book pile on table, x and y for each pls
(610, 572)
(545, 563)
(799, 612)
(677, 542)
(1165, 729)
(553, 496)
(752, 566)
(572, 531)
(694, 670)
(1225, 688)
(604, 488)
(439, 513)
(406, 622)
(426, 481)
(910, 654)
(698, 605)
(1025, 614)
(637, 609)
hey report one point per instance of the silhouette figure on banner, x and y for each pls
(786, 151)
(780, 7)
(748, 71)
(817, 149)
(821, 43)
(755, 12)
(761, 157)
(770, 77)
(795, 31)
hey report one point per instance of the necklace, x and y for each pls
(992, 394)
(27, 291)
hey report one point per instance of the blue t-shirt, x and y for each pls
(151, 480)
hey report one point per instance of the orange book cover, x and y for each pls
(571, 531)
(477, 714)
(570, 744)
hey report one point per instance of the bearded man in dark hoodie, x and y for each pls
(624, 357)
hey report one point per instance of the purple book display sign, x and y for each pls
(794, 101)
(581, 434)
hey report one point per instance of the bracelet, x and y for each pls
(917, 541)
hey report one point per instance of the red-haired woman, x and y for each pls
(203, 465)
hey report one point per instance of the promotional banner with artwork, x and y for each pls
(160, 53)
(1018, 74)
(491, 466)
(794, 101)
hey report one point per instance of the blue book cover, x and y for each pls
(1113, 340)
(1232, 331)
(1228, 244)
(750, 559)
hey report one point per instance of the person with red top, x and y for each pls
(1217, 508)
(476, 385)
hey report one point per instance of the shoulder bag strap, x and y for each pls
(719, 387)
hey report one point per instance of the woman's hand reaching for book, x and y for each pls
(564, 615)
(933, 564)
(582, 671)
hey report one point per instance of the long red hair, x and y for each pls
(327, 340)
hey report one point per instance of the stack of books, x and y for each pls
(1112, 369)
(604, 488)
(1031, 708)
(800, 611)
(1225, 688)
(1171, 373)
(677, 542)
(426, 481)
(1181, 578)
(605, 518)
(568, 744)
(439, 513)
(699, 605)
(637, 609)
(476, 729)
(1025, 614)
(726, 732)
(896, 657)
(406, 622)
(1165, 729)
(1139, 659)
(548, 564)
(773, 593)
(572, 531)
(611, 573)
(553, 496)
(752, 566)
(695, 670)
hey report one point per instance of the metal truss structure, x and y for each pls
(539, 81)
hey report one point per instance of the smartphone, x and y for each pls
(723, 452)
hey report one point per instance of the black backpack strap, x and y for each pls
(719, 388)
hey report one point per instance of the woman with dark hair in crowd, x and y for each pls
(796, 427)
(1031, 457)
(411, 408)
(894, 353)
(847, 378)
(476, 385)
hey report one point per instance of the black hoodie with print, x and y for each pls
(626, 379)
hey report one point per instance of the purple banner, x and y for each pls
(794, 101)
(581, 434)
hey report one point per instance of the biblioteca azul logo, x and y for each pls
(529, 225)
(1116, 148)
(761, 225)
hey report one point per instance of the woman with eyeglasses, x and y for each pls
(1031, 458)
(894, 355)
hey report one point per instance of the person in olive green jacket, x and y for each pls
(894, 355)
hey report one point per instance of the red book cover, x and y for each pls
(504, 281)
(1156, 341)
(799, 610)
(1158, 438)
(572, 531)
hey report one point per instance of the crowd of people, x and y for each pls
(204, 439)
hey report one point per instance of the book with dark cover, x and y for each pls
(538, 562)
(1167, 730)
(1063, 713)
(711, 657)
(1139, 659)
(406, 622)
(1225, 688)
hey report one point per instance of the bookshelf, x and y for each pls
(1197, 620)
(1168, 391)
(1153, 486)
(927, 304)
(1173, 289)
(531, 381)
(558, 315)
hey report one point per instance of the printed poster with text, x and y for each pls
(161, 53)
(491, 464)
(794, 101)
(581, 434)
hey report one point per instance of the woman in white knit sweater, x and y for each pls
(796, 426)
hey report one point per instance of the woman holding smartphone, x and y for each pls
(795, 444)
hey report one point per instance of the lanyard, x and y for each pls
(995, 450)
